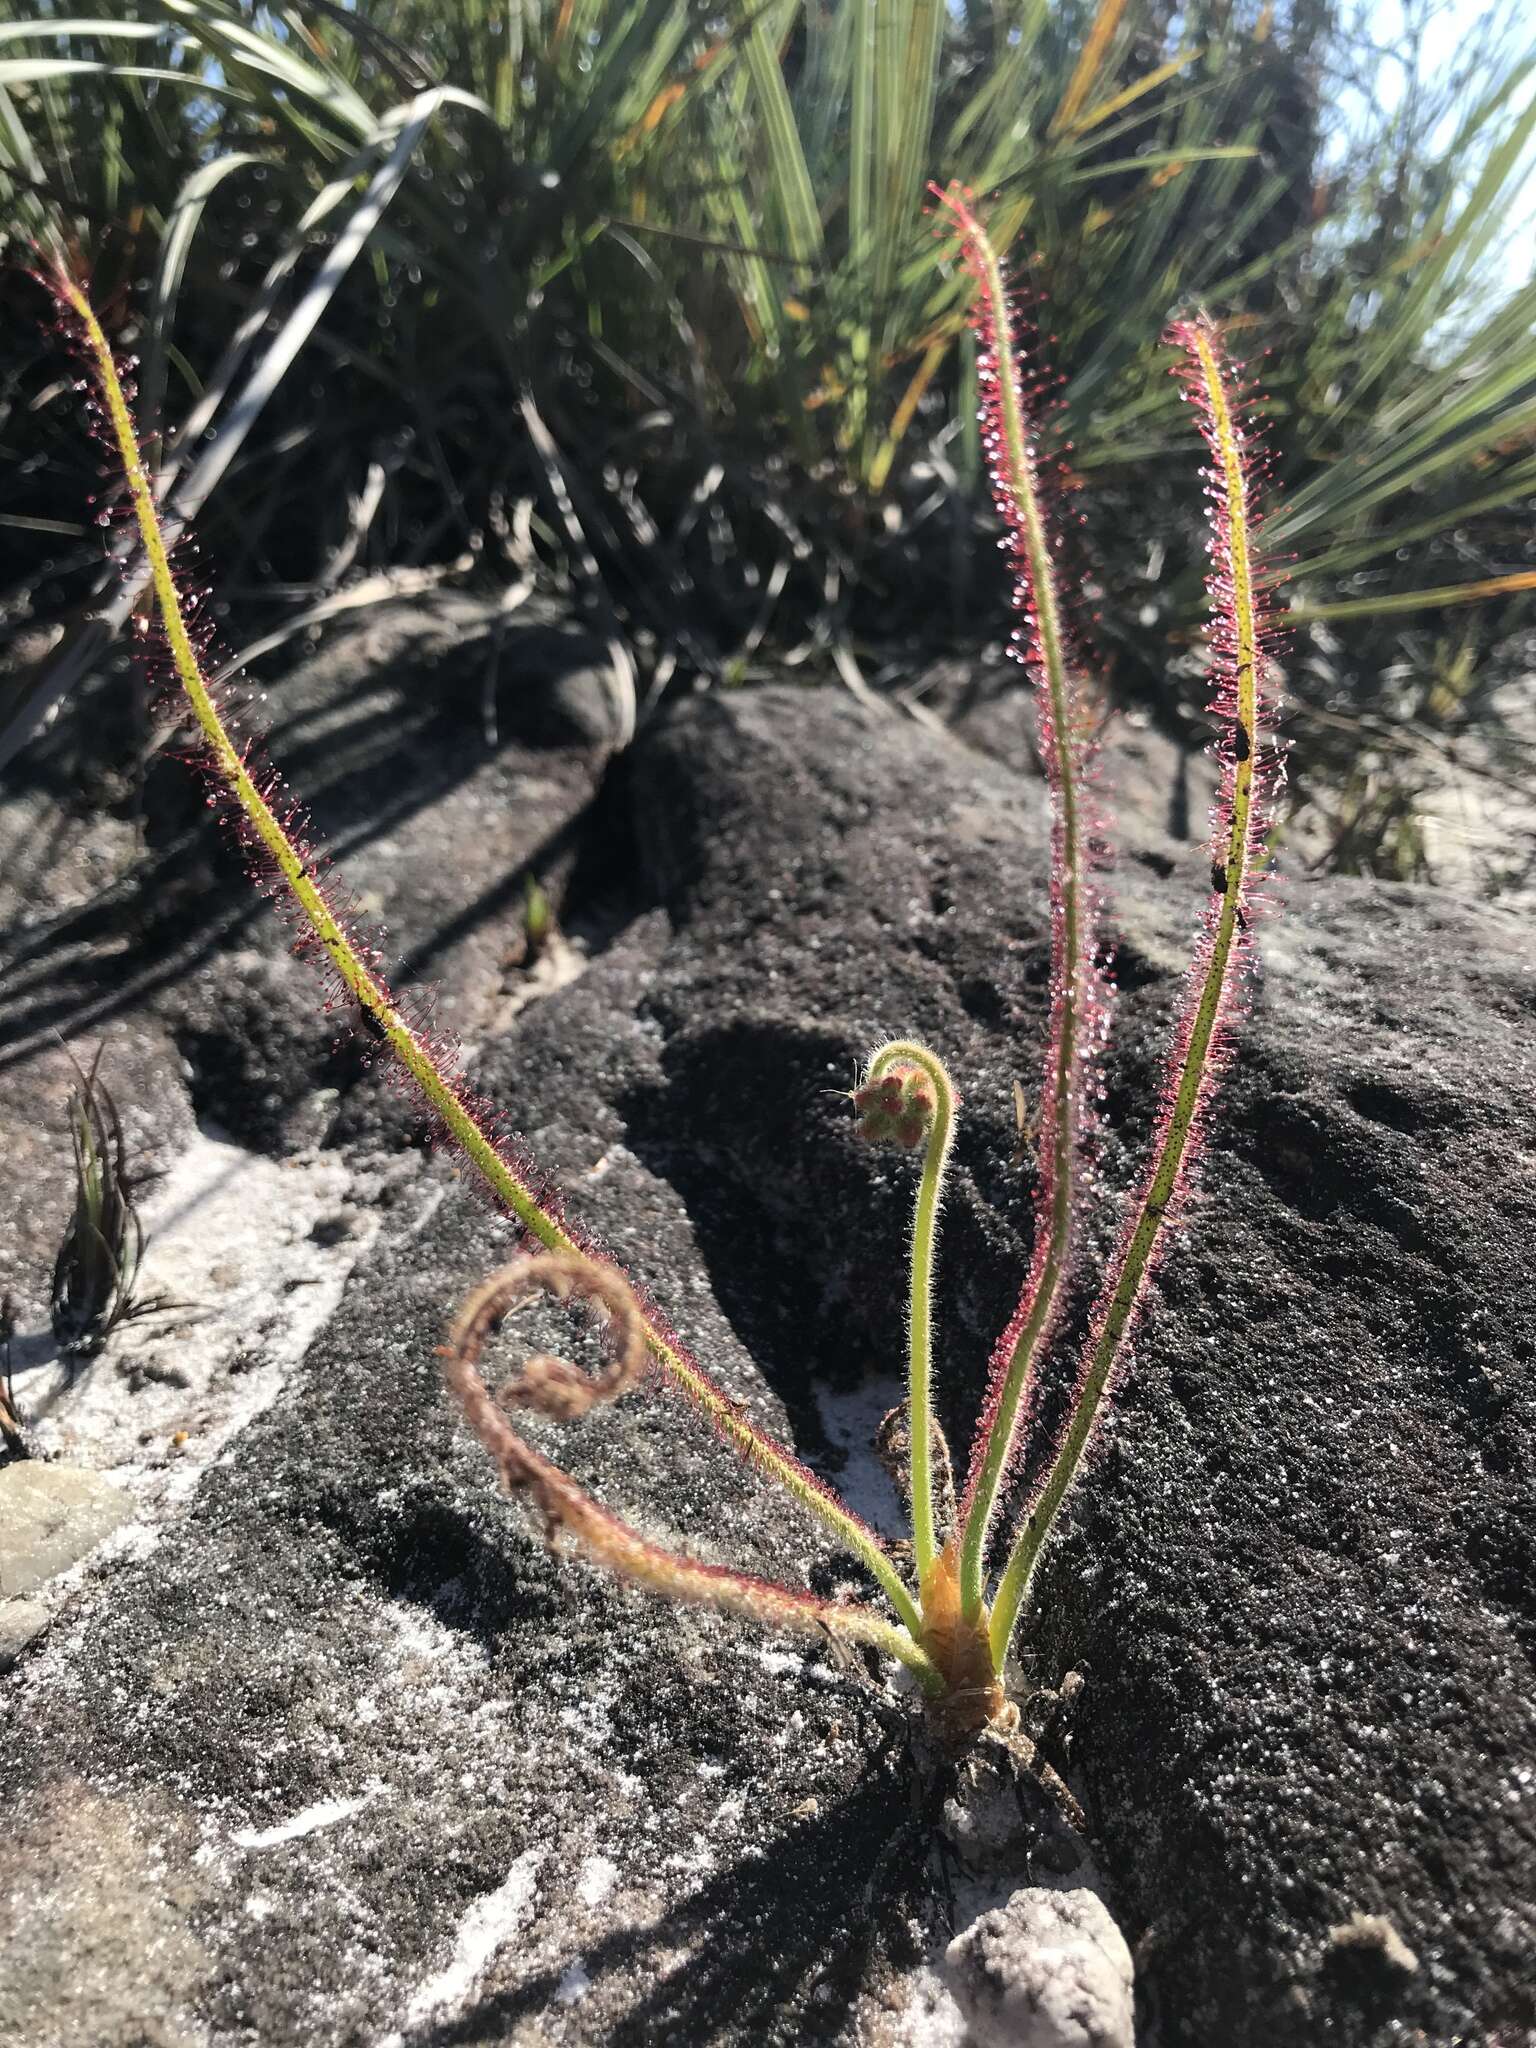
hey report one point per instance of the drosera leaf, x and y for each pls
(1050, 647)
(552, 1387)
(297, 876)
(1240, 628)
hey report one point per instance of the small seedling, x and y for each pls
(97, 1268)
(537, 928)
(952, 1620)
(538, 920)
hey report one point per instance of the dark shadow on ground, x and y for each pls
(790, 1935)
(366, 760)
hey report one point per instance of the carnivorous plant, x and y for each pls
(950, 1624)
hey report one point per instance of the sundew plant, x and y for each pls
(951, 1620)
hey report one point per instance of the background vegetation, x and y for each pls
(640, 301)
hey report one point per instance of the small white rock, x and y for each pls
(50, 1517)
(1048, 1970)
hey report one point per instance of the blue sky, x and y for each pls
(1450, 31)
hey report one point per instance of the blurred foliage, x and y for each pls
(641, 296)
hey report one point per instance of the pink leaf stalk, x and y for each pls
(1240, 622)
(1046, 644)
(287, 865)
